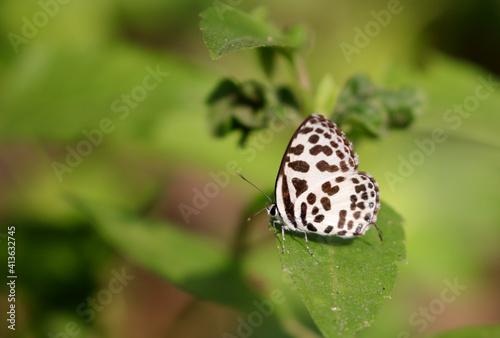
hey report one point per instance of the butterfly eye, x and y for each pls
(272, 210)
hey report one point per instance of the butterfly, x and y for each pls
(319, 189)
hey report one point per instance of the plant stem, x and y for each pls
(239, 246)
(304, 82)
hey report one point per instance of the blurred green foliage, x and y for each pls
(364, 109)
(246, 107)
(65, 78)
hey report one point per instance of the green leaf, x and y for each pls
(363, 108)
(193, 263)
(236, 106)
(365, 118)
(402, 106)
(347, 282)
(326, 94)
(486, 331)
(287, 98)
(226, 29)
(299, 35)
(246, 107)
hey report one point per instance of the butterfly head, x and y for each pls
(272, 210)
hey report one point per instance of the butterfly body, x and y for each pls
(319, 189)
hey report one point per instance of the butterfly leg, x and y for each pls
(283, 239)
(380, 235)
(307, 245)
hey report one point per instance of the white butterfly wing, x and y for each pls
(317, 154)
(345, 205)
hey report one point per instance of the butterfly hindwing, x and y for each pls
(344, 206)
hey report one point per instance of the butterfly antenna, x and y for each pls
(258, 212)
(253, 185)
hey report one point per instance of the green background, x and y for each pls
(64, 80)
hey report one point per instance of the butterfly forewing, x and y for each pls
(318, 188)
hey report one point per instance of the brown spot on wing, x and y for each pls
(325, 202)
(327, 188)
(299, 149)
(285, 192)
(350, 224)
(324, 166)
(311, 198)
(340, 154)
(303, 213)
(318, 149)
(360, 188)
(300, 186)
(353, 155)
(328, 229)
(313, 138)
(311, 227)
(343, 166)
(319, 218)
(300, 166)
(342, 215)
